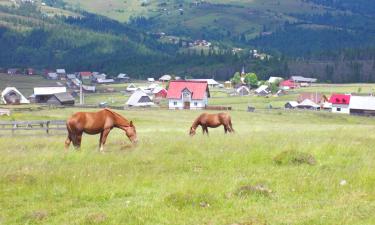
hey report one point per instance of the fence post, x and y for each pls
(47, 127)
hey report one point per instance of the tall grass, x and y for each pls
(171, 178)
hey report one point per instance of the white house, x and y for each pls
(340, 103)
(243, 90)
(150, 79)
(165, 78)
(139, 99)
(188, 94)
(275, 79)
(211, 82)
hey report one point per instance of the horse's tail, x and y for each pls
(230, 124)
(70, 131)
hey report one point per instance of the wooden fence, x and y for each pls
(42, 125)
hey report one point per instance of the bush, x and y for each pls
(294, 157)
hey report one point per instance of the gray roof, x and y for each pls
(303, 79)
(64, 97)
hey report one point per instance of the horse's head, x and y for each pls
(192, 131)
(131, 133)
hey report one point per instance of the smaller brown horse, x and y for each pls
(206, 120)
(97, 122)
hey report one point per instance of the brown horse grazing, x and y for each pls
(97, 122)
(206, 120)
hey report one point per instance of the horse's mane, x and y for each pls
(117, 115)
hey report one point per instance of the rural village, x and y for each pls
(202, 112)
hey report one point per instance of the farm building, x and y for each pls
(287, 84)
(211, 82)
(61, 99)
(43, 94)
(291, 105)
(150, 79)
(139, 99)
(160, 92)
(263, 90)
(243, 91)
(165, 78)
(105, 81)
(12, 96)
(131, 87)
(317, 98)
(362, 105)
(188, 94)
(61, 73)
(340, 103)
(71, 76)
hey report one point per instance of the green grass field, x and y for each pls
(171, 178)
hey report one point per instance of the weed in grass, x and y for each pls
(294, 157)
(38, 215)
(259, 190)
(20, 178)
(189, 199)
(96, 218)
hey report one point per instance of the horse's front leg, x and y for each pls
(67, 142)
(100, 141)
(104, 136)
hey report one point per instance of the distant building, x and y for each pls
(362, 105)
(287, 84)
(139, 99)
(188, 94)
(243, 91)
(131, 87)
(340, 103)
(85, 75)
(275, 79)
(13, 71)
(150, 79)
(211, 82)
(12, 96)
(44, 94)
(165, 78)
(122, 77)
(61, 73)
(301, 79)
(263, 90)
(317, 98)
(160, 92)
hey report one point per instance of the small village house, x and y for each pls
(160, 92)
(272, 80)
(303, 81)
(291, 105)
(30, 71)
(139, 99)
(122, 77)
(308, 104)
(52, 76)
(227, 84)
(13, 71)
(64, 98)
(188, 94)
(211, 82)
(287, 84)
(85, 75)
(340, 103)
(151, 79)
(131, 87)
(61, 73)
(165, 78)
(12, 96)
(243, 91)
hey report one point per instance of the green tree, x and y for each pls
(236, 79)
(251, 79)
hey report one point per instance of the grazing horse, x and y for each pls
(97, 122)
(206, 120)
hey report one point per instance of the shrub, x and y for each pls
(294, 157)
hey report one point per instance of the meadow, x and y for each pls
(280, 167)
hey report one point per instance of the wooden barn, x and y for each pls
(45, 95)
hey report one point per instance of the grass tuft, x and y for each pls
(253, 190)
(294, 157)
(96, 218)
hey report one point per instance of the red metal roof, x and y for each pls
(340, 99)
(85, 74)
(288, 83)
(197, 88)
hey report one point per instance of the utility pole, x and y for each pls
(80, 94)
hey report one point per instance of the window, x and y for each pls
(195, 103)
(338, 109)
(174, 103)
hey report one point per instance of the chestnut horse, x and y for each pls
(97, 122)
(206, 120)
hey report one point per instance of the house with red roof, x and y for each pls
(340, 103)
(85, 75)
(288, 84)
(188, 94)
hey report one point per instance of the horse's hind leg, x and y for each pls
(230, 126)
